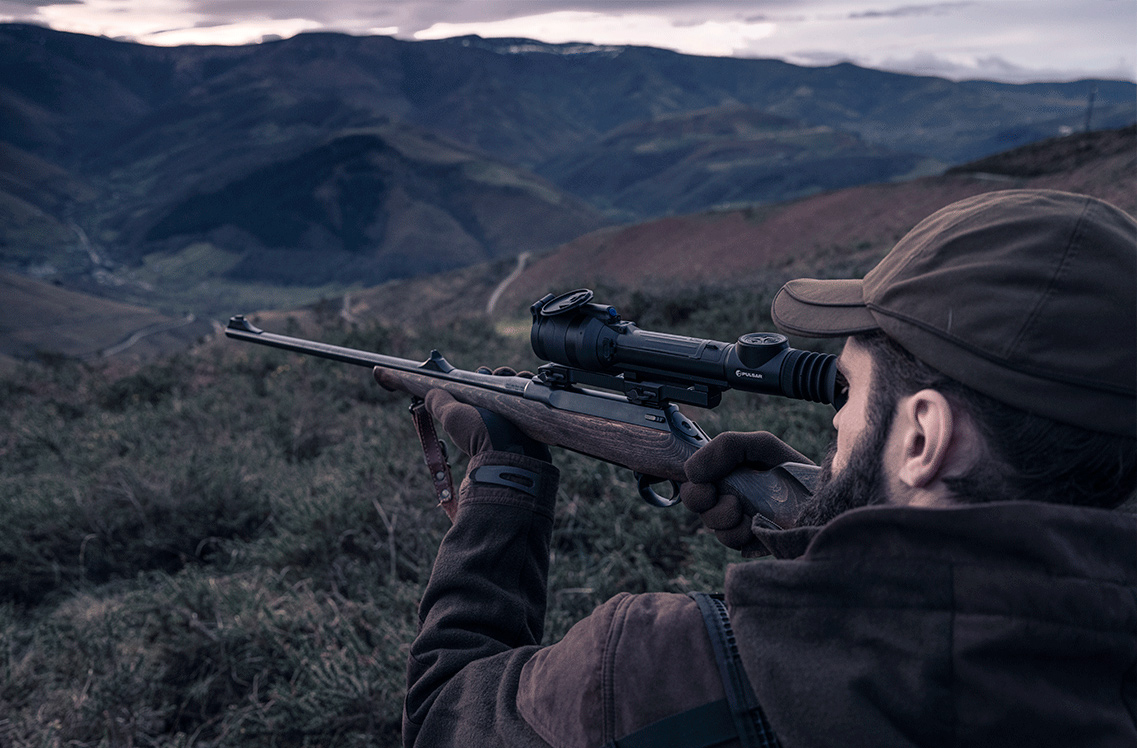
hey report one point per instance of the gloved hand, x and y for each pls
(474, 429)
(758, 450)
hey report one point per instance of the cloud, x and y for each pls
(911, 11)
(346, 14)
(35, 3)
(992, 39)
(711, 38)
(988, 67)
(413, 17)
(1009, 40)
(162, 22)
(822, 58)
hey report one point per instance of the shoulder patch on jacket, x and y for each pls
(635, 660)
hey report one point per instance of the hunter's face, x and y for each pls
(851, 421)
(853, 471)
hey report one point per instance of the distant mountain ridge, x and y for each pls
(374, 204)
(236, 147)
(686, 162)
(843, 231)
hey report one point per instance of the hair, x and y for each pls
(1029, 456)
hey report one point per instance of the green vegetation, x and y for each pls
(228, 547)
(195, 278)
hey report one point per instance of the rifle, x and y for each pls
(633, 420)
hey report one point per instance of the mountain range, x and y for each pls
(178, 177)
(680, 257)
(845, 232)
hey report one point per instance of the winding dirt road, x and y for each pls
(522, 261)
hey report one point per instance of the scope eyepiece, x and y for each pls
(572, 331)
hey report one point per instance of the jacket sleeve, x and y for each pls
(482, 614)
(476, 676)
(635, 660)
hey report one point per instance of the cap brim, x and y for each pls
(822, 308)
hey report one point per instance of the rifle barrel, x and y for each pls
(241, 328)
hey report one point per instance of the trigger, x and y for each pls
(645, 482)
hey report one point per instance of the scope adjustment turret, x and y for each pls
(756, 348)
(564, 303)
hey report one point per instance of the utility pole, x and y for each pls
(1090, 107)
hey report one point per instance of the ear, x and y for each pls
(926, 432)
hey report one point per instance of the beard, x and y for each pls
(860, 483)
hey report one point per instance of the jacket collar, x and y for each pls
(1100, 542)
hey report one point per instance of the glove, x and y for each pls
(722, 512)
(474, 430)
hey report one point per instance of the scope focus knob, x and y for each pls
(756, 348)
(566, 302)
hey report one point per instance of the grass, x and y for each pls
(194, 278)
(228, 548)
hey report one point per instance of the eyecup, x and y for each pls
(809, 375)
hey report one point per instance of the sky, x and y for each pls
(1015, 41)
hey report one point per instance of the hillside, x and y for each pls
(373, 204)
(85, 99)
(228, 546)
(1057, 155)
(734, 155)
(246, 149)
(843, 231)
(37, 199)
(41, 319)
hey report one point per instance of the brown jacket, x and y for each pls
(997, 624)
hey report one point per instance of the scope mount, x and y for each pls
(639, 391)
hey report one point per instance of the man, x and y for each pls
(960, 578)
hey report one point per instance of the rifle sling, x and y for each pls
(434, 450)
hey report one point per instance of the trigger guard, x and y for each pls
(645, 482)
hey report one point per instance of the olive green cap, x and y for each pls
(1028, 296)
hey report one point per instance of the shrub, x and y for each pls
(229, 547)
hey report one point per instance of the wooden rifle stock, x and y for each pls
(652, 440)
(775, 496)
